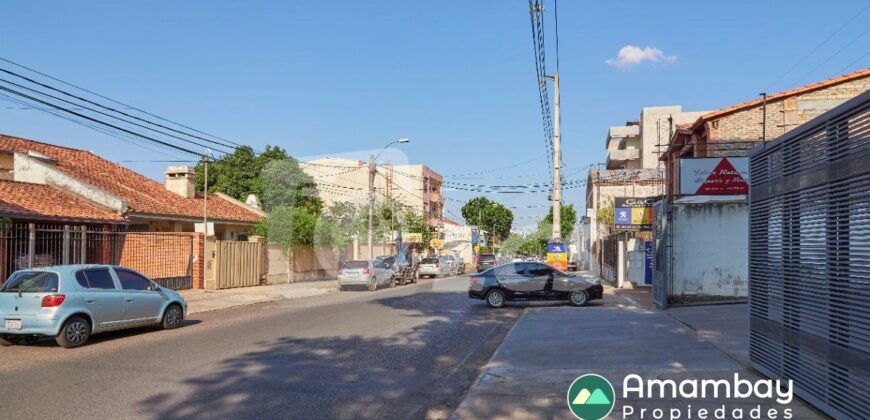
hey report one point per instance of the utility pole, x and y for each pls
(764, 117)
(205, 195)
(372, 172)
(557, 162)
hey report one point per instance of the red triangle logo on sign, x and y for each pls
(724, 180)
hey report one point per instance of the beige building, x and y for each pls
(631, 169)
(343, 180)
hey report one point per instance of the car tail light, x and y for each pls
(475, 280)
(50, 301)
(366, 270)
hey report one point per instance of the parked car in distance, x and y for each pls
(432, 267)
(366, 273)
(73, 302)
(390, 262)
(572, 266)
(453, 263)
(485, 262)
(531, 281)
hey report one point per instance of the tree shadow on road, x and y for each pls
(404, 374)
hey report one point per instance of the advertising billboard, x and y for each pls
(633, 213)
(557, 255)
(714, 176)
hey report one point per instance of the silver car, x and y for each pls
(532, 281)
(72, 302)
(433, 267)
(368, 273)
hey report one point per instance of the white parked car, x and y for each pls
(367, 273)
(433, 267)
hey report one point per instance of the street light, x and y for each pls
(372, 171)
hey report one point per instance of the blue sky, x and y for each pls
(330, 77)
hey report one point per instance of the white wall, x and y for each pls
(711, 249)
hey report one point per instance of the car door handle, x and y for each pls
(129, 299)
(90, 300)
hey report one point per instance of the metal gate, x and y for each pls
(167, 258)
(809, 261)
(238, 264)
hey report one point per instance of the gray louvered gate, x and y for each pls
(809, 262)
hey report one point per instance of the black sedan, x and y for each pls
(531, 281)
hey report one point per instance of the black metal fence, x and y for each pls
(167, 258)
(809, 262)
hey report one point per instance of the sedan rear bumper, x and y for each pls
(474, 294)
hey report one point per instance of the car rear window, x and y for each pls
(351, 265)
(31, 282)
(429, 261)
(96, 278)
(487, 258)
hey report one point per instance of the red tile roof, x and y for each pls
(848, 77)
(20, 199)
(143, 194)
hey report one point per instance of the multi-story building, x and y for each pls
(631, 170)
(417, 187)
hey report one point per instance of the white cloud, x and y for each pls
(630, 56)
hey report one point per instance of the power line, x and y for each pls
(816, 48)
(107, 115)
(113, 109)
(179, 148)
(833, 55)
(848, 66)
(117, 102)
(112, 133)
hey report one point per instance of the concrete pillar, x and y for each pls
(620, 263)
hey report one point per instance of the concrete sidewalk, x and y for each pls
(212, 300)
(529, 375)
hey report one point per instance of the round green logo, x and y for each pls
(591, 397)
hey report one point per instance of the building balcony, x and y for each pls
(617, 159)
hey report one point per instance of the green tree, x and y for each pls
(238, 174)
(284, 184)
(568, 221)
(291, 227)
(491, 216)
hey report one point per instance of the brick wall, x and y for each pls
(785, 115)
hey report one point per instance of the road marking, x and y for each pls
(631, 300)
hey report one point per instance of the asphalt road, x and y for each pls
(408, 352)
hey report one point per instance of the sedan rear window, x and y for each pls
(31, 282)
(487, 258)
(351, 265)
(429, 261)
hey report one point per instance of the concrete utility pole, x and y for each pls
(205, 194)
(557, 161)
(373, 170)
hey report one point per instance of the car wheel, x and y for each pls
(74, 333)
(173, 317)
(6, 341)
(373, 285)
(495, 298)
(579, 298)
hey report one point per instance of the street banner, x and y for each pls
(633, 213)
(412, 238)
(714, 176)
(557, 256)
